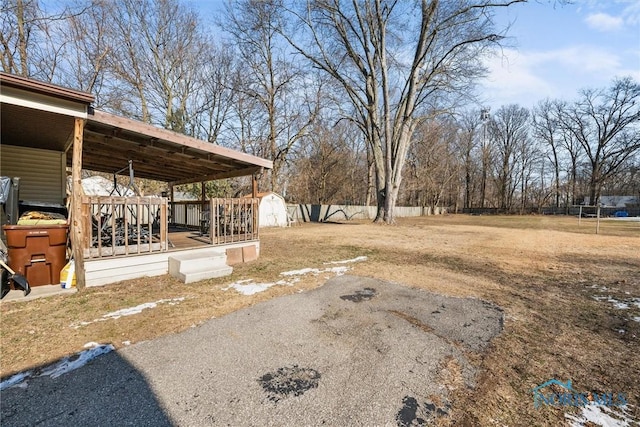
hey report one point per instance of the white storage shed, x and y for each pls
(273, 210)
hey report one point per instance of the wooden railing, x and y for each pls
(124, 225)
(230, 220)
(115, 226)
(187, 214)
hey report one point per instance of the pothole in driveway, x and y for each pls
(289, 381)
(364, 295)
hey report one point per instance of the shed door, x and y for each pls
(41, 172)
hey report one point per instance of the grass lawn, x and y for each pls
(571, 300)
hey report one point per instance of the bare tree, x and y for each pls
(89, 46)
(271, 79)
(31, 38)
(546, 128)
(508, 129)
(528, 158)
(322, 170)
(216, 95)
(156, 51)
(395, 70)
(432, 164)
(469, 140)
(606, 123)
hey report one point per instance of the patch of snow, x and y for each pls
(315, 271)
(620, 305)
(65, 365)
(129, 311)
(14, 380)
(248, 287)
(636, 319)
(301, 272)
(338, 270)
(71, 363)
(348, 261)
(601, 416)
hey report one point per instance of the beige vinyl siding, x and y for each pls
(41, 172)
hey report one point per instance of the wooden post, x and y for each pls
(172, 213)
(254, 186)
(598, 220)
(77, 219)
(164, 224)
(203, 202)
(254, 195)
(580, 216)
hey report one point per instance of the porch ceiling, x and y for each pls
(28, 127)
(111, 141)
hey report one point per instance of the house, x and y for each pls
(48, 129)
(620, 201)
(616, 201)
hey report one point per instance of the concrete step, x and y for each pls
(196, 259)
(194, 266)
(202, 273)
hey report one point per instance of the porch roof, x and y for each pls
(42, 115)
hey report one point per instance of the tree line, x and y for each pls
(363, 102)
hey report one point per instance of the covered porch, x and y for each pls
(133, 243)
(120, 237)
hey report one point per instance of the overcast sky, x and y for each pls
(556, 50)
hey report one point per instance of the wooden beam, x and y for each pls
(77, 219)
(150, 162)
(140, 146)
(150, 131)
(221, 175)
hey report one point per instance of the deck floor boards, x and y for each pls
(186, 239)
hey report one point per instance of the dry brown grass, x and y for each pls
(543, 271)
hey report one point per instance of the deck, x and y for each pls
(102, 271)
(131, 237)
(184, 239)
